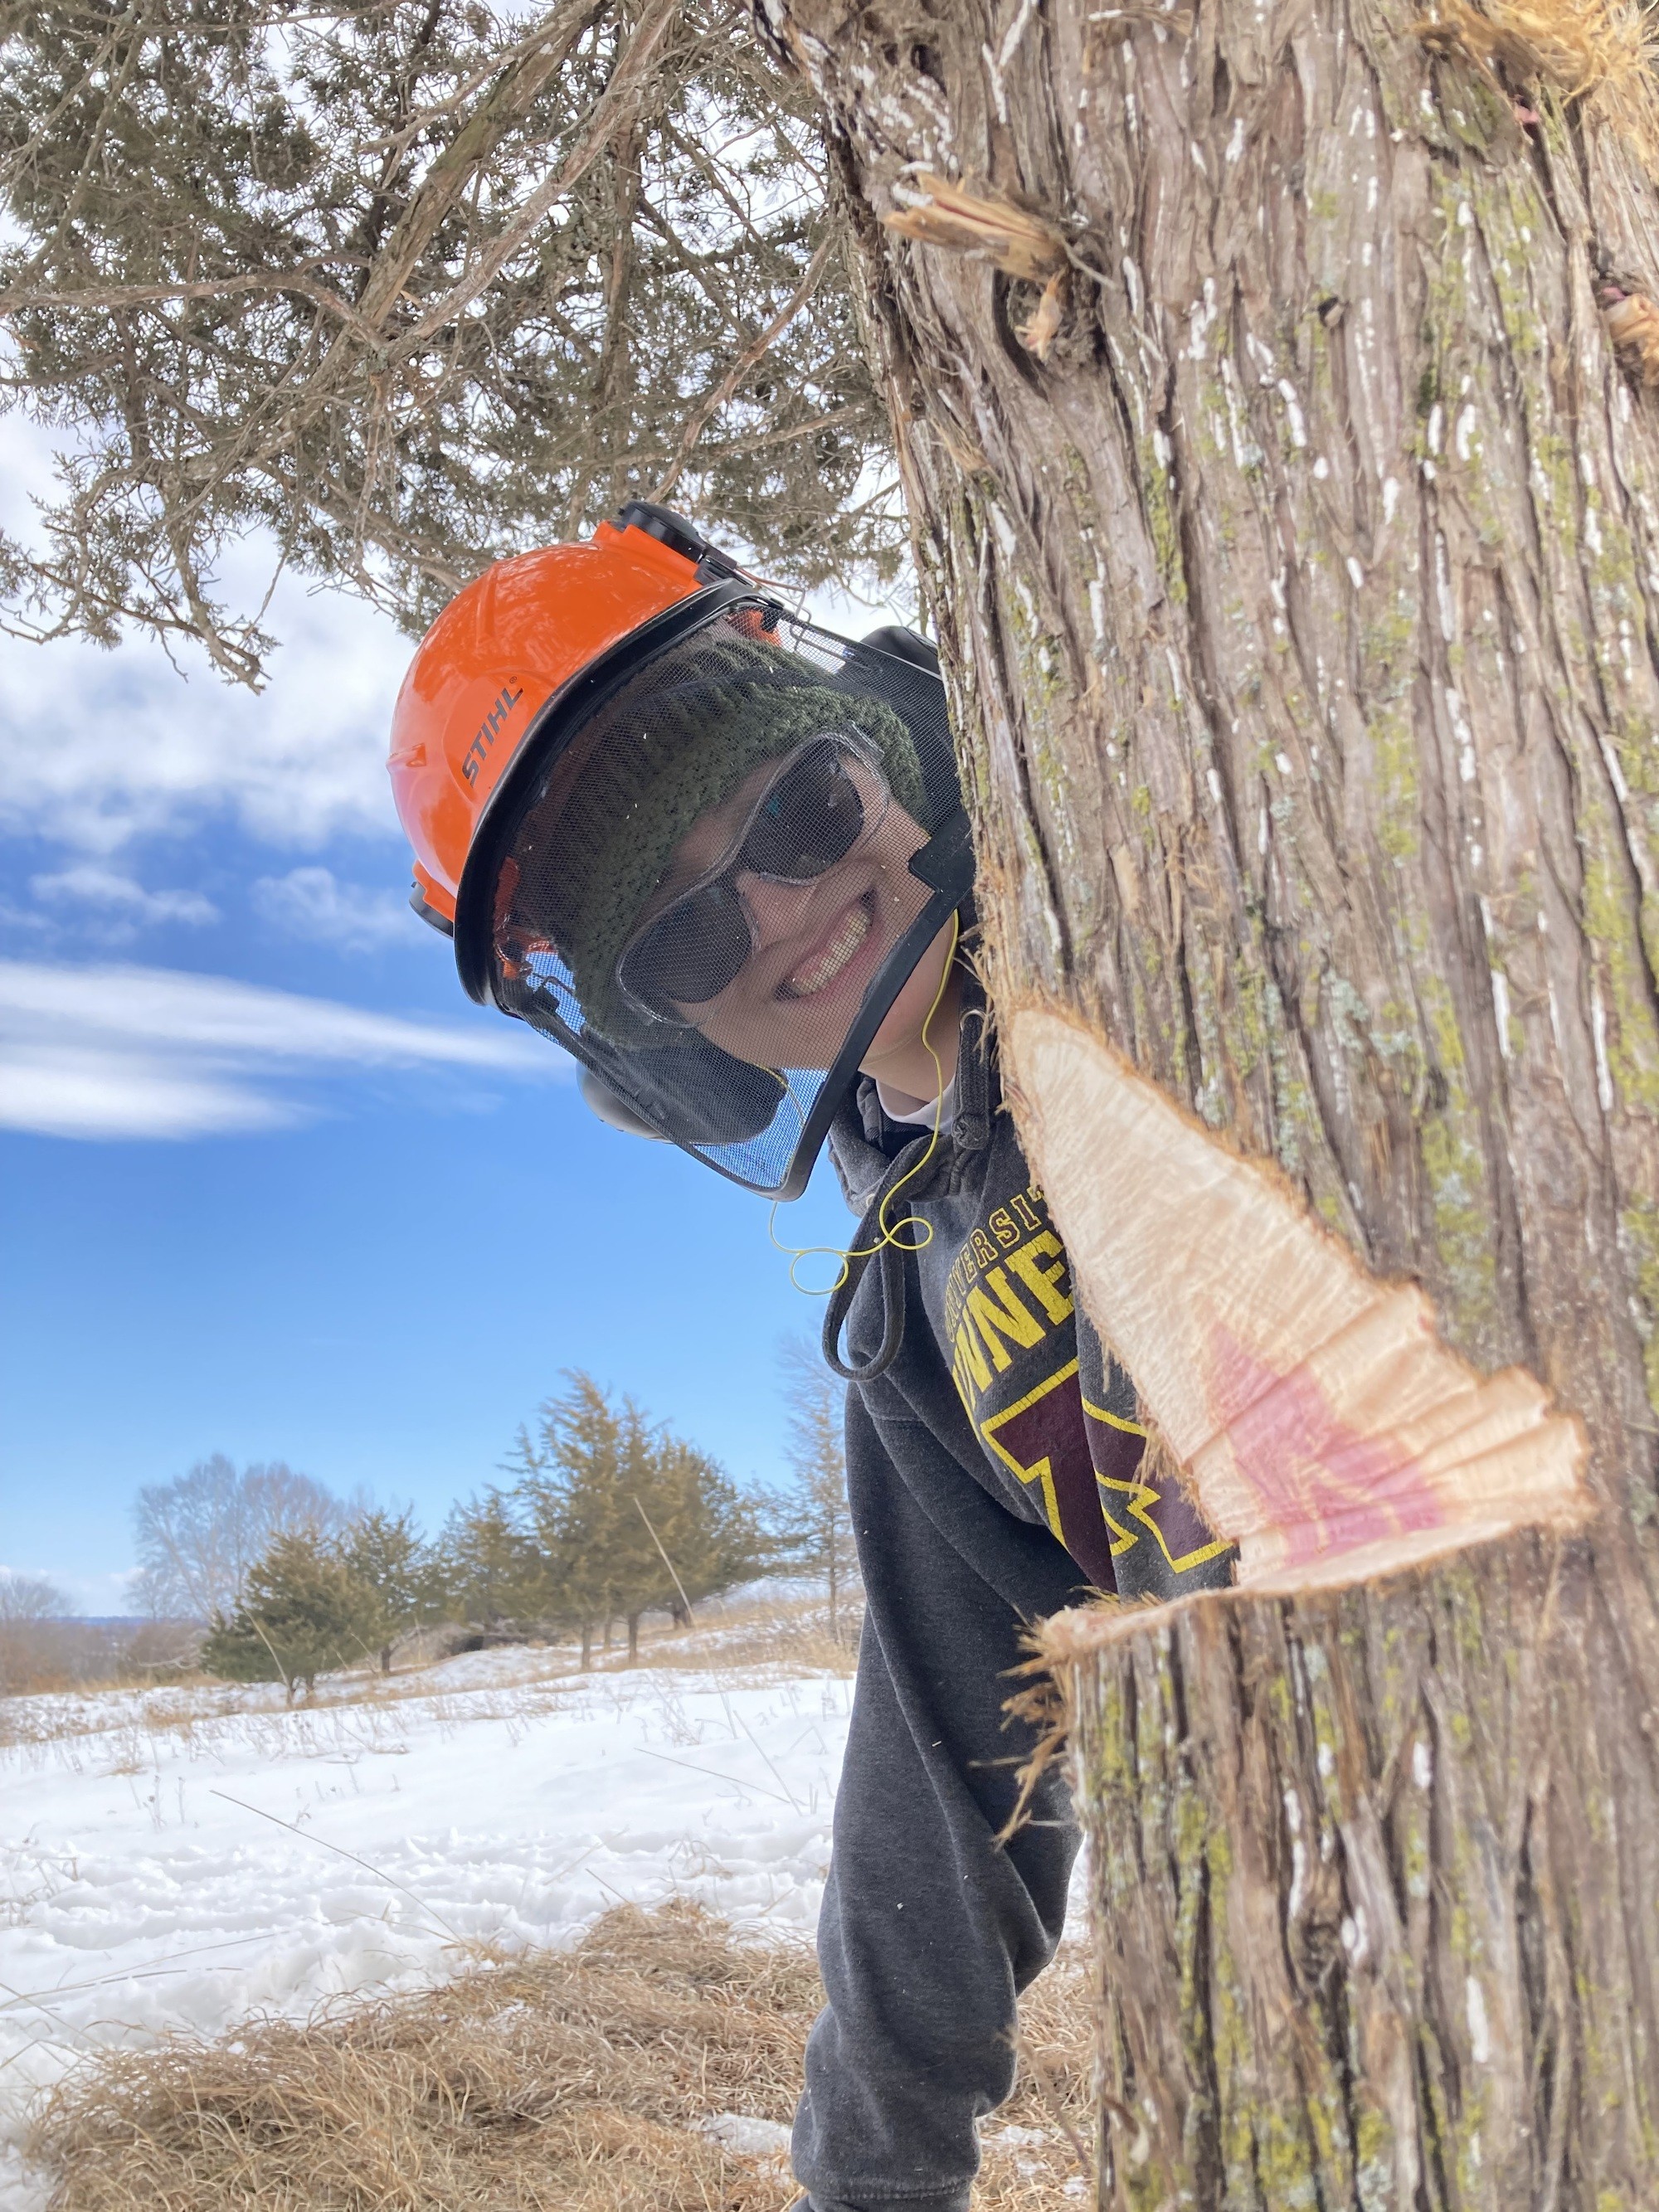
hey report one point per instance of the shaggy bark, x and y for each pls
(1269, 382)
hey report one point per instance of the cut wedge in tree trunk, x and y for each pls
(1336, 1851)
(1323, 1426)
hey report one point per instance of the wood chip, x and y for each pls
(1632, 324)
(983, 222)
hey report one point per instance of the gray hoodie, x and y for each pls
(993, 1468)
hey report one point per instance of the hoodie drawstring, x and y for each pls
(972, 1133)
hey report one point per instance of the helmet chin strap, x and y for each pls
(889, 1246)
(946, 862)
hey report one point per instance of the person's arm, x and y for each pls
(930, 1927)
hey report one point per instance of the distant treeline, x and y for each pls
(44, 1647)
(603, 1517)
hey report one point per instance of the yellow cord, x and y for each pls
(889, 1231)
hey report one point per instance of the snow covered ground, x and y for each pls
(178, 1858)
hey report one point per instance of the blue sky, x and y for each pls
(269, 1184)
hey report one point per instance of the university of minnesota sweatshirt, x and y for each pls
(993, 1461)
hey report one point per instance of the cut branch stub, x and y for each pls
(1321, 1424)
(1042, 327)
(1601, 51)
(939, 213)
(1632, 324)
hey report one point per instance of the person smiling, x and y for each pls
(720, 856)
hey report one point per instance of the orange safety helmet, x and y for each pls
(568, 720)
(501, 650)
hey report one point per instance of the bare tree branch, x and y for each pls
(748, 359)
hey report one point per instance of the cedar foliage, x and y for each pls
(405, 289)
(626, 1517)
(303, 1612)
(488, 1569)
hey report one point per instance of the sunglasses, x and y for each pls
(811, 814)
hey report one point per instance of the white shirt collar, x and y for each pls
(921, 1117)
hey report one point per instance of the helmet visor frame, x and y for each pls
(765, 1131)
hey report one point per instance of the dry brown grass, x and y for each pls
(564, 2082)
(793, 1637)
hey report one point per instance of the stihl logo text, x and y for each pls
(485, 737)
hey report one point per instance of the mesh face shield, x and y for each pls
(713, 870)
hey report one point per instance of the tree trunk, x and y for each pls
(633, 1640)
(1268, 384)
(587, 1645)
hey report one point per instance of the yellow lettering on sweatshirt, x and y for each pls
(970, 1366)
(1045, 1284)
(1009, 1316)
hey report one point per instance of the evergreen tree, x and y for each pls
(485, 1568)
(578, 1473)
(303, 1612)
(385, 1552)
(235, 1650)
(405, 287)
(628, 1518)
(713, 1533)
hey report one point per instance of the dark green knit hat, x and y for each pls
(675, 747)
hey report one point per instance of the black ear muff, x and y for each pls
(667, 527)
(418, 900)
(612, 1110)
(904, 645)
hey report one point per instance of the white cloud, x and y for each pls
(98, 747)
(72, 1090)
(92, 885)
(312, 902)
(135, 750)
(116, 1051)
